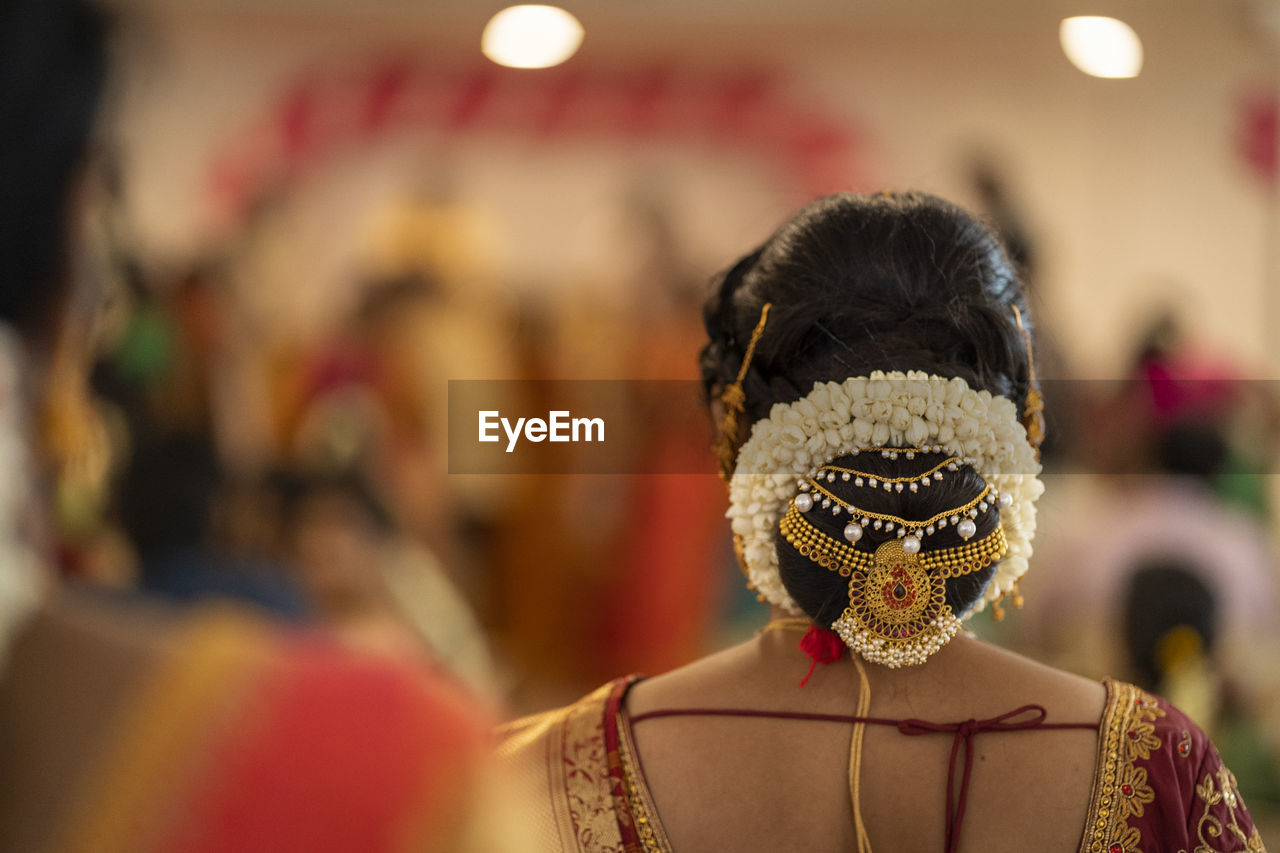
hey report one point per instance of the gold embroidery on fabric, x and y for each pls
(1120, 790)
(1141, 738)
(645, 823)
(1221, 788)
(588, 788)
(1135, 793)
(1184, 744)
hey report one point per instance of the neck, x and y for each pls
(948, 662)
(776, 613)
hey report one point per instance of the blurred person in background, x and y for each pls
(155, 389)
(1171, 622)
(379, 590)
(166, 504)
(875, 510)
(332, 533)
(1189, 446)
(125, 727)
(633, 550)
(361, 435)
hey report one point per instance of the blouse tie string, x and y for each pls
(963, 734)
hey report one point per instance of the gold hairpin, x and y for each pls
(733, 398)
(1033, 411)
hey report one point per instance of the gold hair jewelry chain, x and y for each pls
(898, 613)
(892, 452)
(836, 556)
(873, 480)
(877, 520)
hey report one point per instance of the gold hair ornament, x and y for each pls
(835, 556)
(897, 613)
(997, 606)
(962, 518)
(1033, 410)
(733, 398)
(913, 483)
(833, 419)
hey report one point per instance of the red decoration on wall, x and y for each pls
(473, 97)
(386, 91)
(1257, 134)
(297, 114)
(329, 111)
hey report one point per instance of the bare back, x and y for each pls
(738, 783)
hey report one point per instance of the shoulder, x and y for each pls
(588, 714)
(1012, 679)
(564, 769)
(1141, 728)
(1160, 779)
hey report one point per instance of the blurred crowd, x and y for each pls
(312, 480)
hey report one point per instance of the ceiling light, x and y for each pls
(1102, 47)
(531, 36)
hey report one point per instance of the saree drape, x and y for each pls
(226, 734)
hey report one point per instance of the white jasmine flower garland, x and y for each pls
(894, 409)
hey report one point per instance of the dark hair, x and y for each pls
(297, 487)
(1192, 448)
(1164, 594)
(166, 492)
(860, 283)
(52, 70)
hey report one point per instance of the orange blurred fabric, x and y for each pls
(233, 735)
